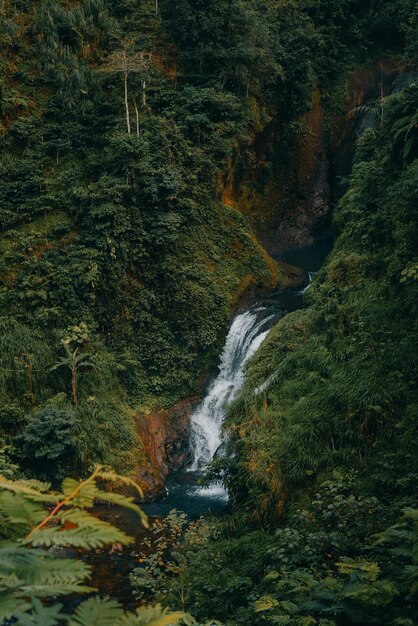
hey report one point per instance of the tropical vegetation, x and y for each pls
(151, 151)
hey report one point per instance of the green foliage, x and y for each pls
(125, 233)
(163, 564)
(118, 245)
(322, 565)
(340, 374)
(321, 442)
(74, 360)
(48, 443)
(30, 574)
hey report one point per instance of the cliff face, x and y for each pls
(165, 436)
(288, 193)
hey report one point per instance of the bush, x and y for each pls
(48, 444)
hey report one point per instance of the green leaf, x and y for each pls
(266, 603)
(97, 612)
(11, 606)
(20, 510)
(89, 533)
(408, 147)
(123, 501)
(33, 489)
(156, 616)
(42, 615)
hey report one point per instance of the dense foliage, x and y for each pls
(113, 242)
(30, 573)
(119, 121)
(324, 433)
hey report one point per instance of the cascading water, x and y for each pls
(247, 332)
(311, 276)
(245, 336)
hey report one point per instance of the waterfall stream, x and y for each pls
(247, 332)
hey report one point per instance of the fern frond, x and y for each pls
(97, 612)
(89, 532)
(11, 606)
(156, 616)
(37, 567)
(108, 474)
(123, 501)
(49, 591)
(40, 614)
(34, 489)
(85, 491)
(19, 510)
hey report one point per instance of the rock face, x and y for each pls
(166, 438)
(295, 195)
(365, 86)
(287, 193)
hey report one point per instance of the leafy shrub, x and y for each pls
(48, 444)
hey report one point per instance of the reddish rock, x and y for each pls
(166, 438)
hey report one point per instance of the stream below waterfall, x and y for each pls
(247, 331)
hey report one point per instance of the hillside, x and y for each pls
(158, 161)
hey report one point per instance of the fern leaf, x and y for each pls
(107, 474)
(49, 591)
(123, 501)
(86, 492)
(37, 567)
(97, 612)
(19, 510)
(266, 603)
(11, 606)
(156, 616)
(89, 532)
(29, 488)
(47, 616)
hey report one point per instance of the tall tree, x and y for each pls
(125, 61)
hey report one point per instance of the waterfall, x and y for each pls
(247, 332)
(311, 276)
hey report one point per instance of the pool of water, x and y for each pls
(185, 492)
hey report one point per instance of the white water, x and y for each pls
(311, 276)
(247, 332)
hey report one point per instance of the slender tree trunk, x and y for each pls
(137, 119)
(128, 121)
(74, 385)
(30, 382)
(144, 95)
(382, 113)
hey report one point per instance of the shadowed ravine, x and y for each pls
(247, 332)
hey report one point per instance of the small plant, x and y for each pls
(74, 360)
(162, 571)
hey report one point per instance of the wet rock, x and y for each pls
(166, 438)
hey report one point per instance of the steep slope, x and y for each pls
(322, 442)
(113, 239)
(123, 125)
